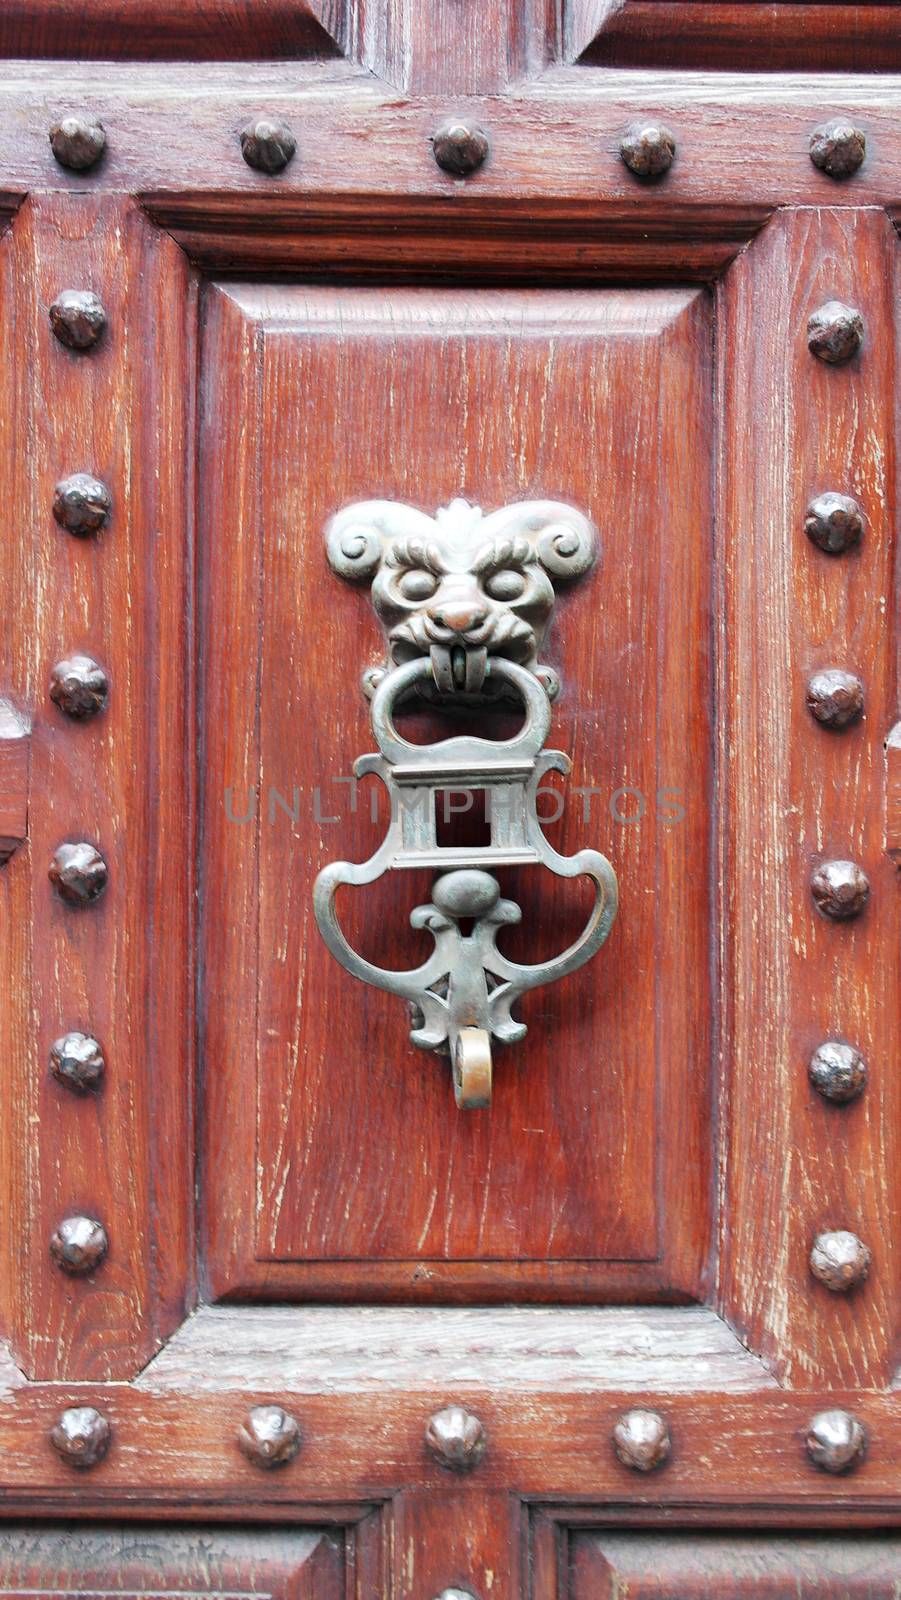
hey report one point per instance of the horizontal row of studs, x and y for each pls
(269, 1437)
(460, 147)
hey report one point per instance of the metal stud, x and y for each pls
(455, 1594)
(81, 1436)
(76, 1060)
(269, 1437)
(79, 1244)
(79, 687)
(459, 147)
(835, 332)
(648, 149)
(839, 1260)
(835, 697)
(81, 504)
(456, 1439)
(77, 142)
(267, 144)
(834, 522)
(835, 1441)
(642, 1440)
(77, 318)
(79, 873)
(837, 1071)
(838, 148)
(840, 890)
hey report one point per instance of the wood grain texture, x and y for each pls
(794, 793)
(164, 30)
(442, 47)
(737, 35)
(648, 1566)
(738, 1453)
(554, 190)
(328, 1349)
(419, 382)
(161, 1561)
(119, 969)
(460, 1540)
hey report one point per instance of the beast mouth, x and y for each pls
(460, 660)
(500, 635)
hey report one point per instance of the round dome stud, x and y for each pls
(642, 1440)
(456, 1439)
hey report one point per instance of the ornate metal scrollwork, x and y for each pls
(467, 623)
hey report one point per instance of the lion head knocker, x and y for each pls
(461, 586)
(465, 601)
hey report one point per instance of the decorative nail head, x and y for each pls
(77, 318)
(840, 890)
(839, 1260)
(838, 148)
(835, 697)
(456, 1439)
(76, 1060)
(81, 504)
(460, 147)
(269, 1436)
(837, 1071)
(834, 522)
(648, 149)
(79, 1245)
(835, 332)
(267, 144)
(79, 686)
(81, 1436)
(79, 873)
(642, 1440)
(835, 1441)
(77, 142)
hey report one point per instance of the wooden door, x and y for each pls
(278, 1316)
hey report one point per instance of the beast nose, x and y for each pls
(458, 618)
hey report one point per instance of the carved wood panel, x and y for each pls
(164, 1563)
(653, 1566)
(350, 1137)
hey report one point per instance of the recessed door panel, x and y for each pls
(589, 1172)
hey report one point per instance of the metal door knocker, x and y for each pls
(465, 600)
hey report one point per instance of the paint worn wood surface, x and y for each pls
(491, 397)
(795, 793)
(158, 1561)
(655, 1567)
(531, 1348)
(365, 324)
(119, 968)
(738, 35)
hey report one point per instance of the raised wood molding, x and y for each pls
(176, 1451)
(655, 1566)
(164, 30)
(734, 35)
(794, 793)
(119, 969)
(442, 1211)
(328, 1349)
